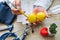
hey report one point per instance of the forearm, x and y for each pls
(43, 3)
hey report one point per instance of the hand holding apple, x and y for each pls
(40, 9)
(36, 18)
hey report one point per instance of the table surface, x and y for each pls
(36, 35)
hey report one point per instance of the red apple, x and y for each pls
(44, 31)
(44, 28)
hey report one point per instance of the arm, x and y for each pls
(15, 2)
(38, 9)
(14, 10)
(41, 5)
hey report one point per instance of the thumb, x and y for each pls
(18, 4)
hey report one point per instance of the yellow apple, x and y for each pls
(32, 18)
(41, 16)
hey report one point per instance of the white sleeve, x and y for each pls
(43, 3)
(2, 0)
(9, 2)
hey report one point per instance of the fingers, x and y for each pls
(36, 10)
(37, 22)
(18, 4)
(15, 11)
(43, 10)
(46, 13)
(40, 9)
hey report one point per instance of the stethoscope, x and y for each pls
(13, 34)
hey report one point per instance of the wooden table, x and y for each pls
(36, 35)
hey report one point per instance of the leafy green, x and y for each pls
(52, 28)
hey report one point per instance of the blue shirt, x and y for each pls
(6, 16)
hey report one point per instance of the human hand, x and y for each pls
(16, 11)
(39, 9)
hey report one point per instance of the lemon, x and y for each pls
(41, 16)
(32, 18)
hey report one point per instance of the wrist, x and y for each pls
(40, 7)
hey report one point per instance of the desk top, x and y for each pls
(36, 35)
